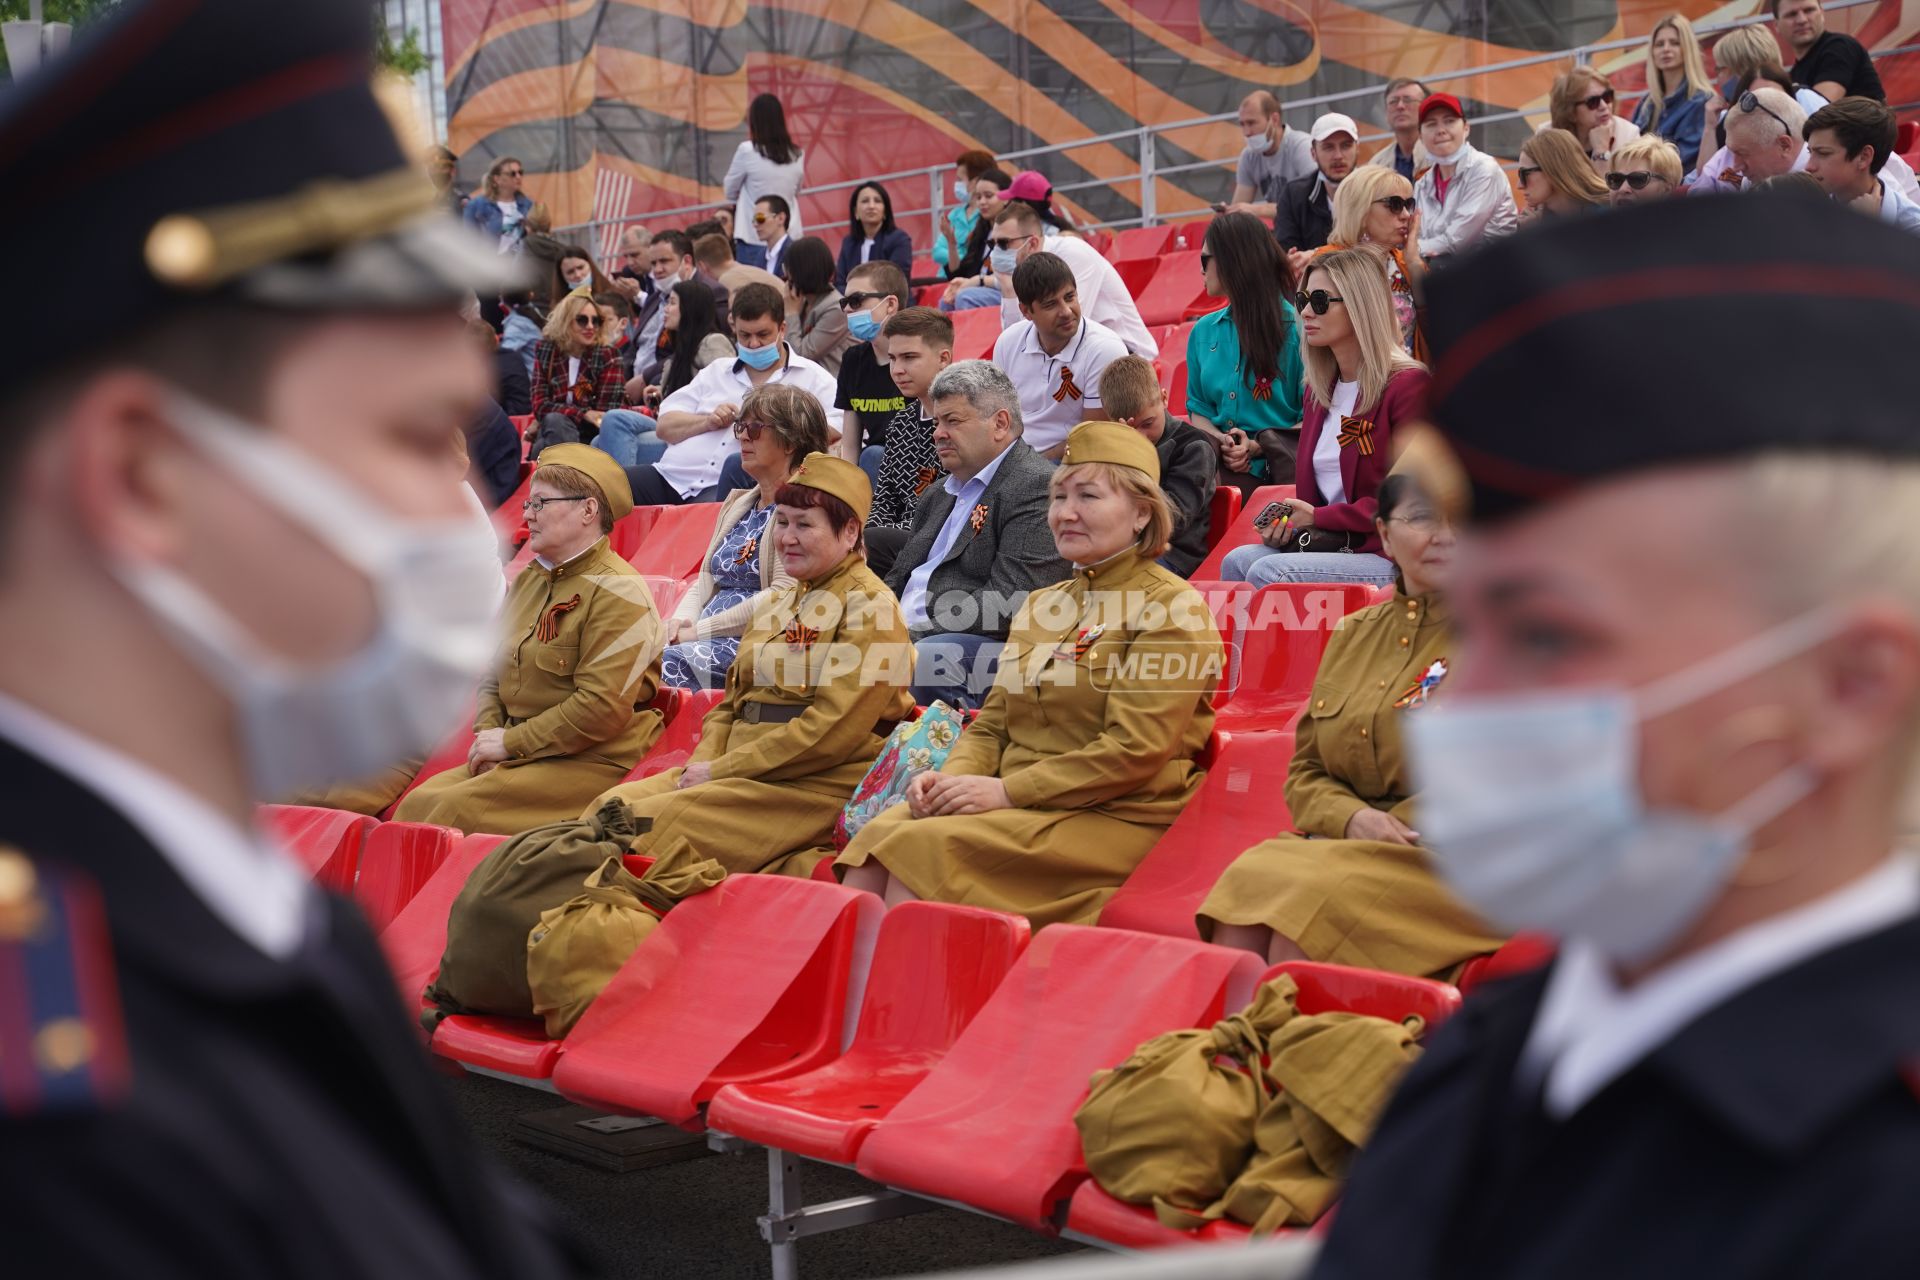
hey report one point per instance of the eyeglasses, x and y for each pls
(513, 173)
(752, 430)
(1425, 522)
(534, 506)
(1749, 104)
(1525, 171)
(1593, 103)
(759, 219)
(1406, 100)
(1317, 302)
(855, 301)
(587, 322)
(1396, 205)
(1638, 181)
(1007, 242)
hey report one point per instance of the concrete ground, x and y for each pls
(696, 1219)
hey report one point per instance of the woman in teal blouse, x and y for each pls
(1243, 362)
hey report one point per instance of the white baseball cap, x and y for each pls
(1333, 122)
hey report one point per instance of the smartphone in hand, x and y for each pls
(1268, 514)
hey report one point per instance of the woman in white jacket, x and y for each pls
(766, 164)
(1464, 197)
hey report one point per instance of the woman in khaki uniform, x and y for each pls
(819, 682)
(1354, 887)
(566, 714)
(1084, 753)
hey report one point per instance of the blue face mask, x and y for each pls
(863, 326)
(1530, 805)
(960, 190)
(760, 357)
(1004, 261)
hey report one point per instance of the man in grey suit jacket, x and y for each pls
(979, 541)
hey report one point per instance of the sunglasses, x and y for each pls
(1206, 260)
(1525, 171)
(514, 173)
(1007, 242)
(855, 301)
(1593, 103)
(1638, 181)
(1749, 104)
(1396, 205)
(752, 430)
(759, 219)
(587, 322)
(1317, 302)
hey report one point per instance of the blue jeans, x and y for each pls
(750, 253)
(628, 435)
(955, 667)
(1261, 565)
(870, 462)
(971, 297)
(734, 476)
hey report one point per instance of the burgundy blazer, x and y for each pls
(1361, 469)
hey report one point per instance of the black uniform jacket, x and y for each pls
(1777, 1135)
(281, 1120)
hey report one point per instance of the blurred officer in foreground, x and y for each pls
(234, 559)
(1681, 736)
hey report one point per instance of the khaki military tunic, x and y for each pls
(1369, 903)
(1103, 699)
(580, 666)
(838, 650)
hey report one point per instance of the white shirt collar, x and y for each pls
(252, 885)
(1588, 1031)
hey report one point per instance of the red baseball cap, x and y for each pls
(1437, 101)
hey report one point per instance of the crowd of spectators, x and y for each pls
(718, 359)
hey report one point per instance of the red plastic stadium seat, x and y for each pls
(1176, 340)
(630, 531)
(1227, 601)
(1221, 510)
(680, 736)
(992, 1125)
(1177, 394)
(934, 967)
(1201, 306)
(929, 295)
(399, 858)
(1241, 531)
(1287, 628)
(1239, 805)
(327, 841)
(1323, 988)
(1908, 137)
(415, 939)
(1139, 242)
(1518, 955)
(675, 541)
(1176, 285)
(1136, 273)
(746, 982)
(975, 330)
(511, 1046)
(1192, 234)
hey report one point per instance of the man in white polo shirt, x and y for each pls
(1055, 356)
(697, 420)
(1018, 233)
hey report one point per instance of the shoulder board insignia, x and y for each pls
(62, 1041)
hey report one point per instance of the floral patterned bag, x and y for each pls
(913, 747)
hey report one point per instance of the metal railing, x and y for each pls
(1145, 140)
(1287, 1258)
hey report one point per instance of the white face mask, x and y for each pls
(437, 587)
(1531, 805)
(1443, 156)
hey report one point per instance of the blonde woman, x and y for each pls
(577, 376)
(1556, 177)
(501, 208)
(1374, 207)
(1581, 103)
(1746, 57)
(1677, 88)
(1360, 385)
(1084, 753)
(1648, 168)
